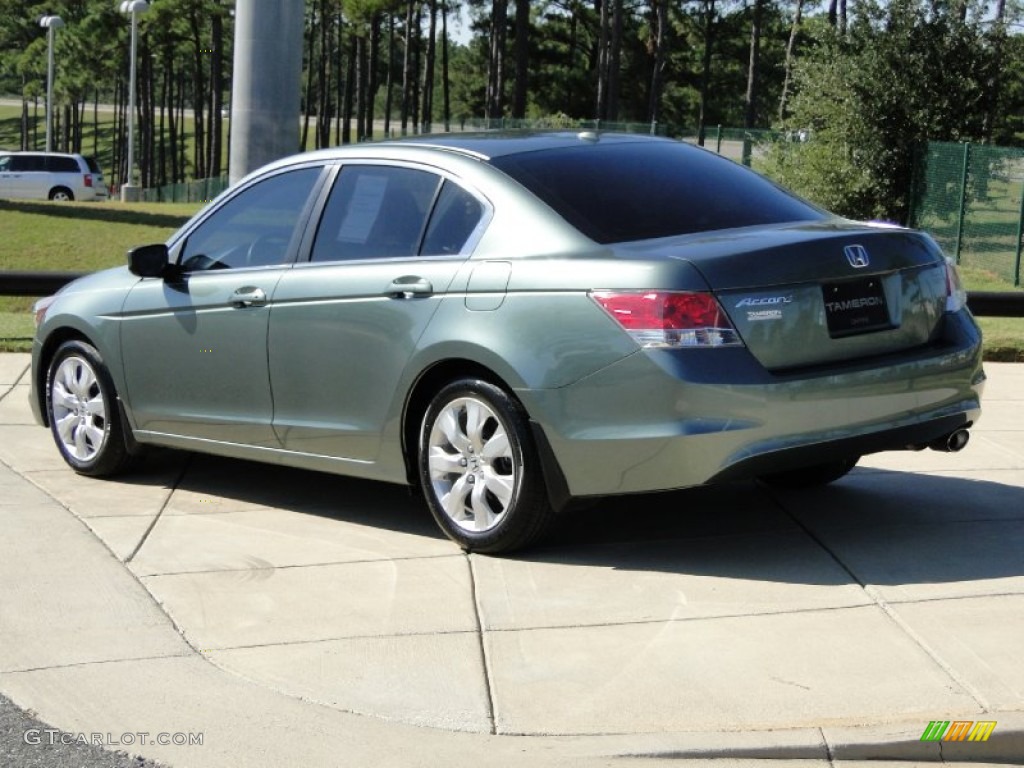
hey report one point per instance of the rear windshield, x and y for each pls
(93, 165)
(616, 193)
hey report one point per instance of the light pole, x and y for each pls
(129, 191)
(51, 24)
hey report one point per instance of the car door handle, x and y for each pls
(409, 286)
(249, 296)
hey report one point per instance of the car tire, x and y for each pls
(83, 411)
(480, 470)
(61, 195)
(813, 476)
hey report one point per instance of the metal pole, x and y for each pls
(49, 92)
(131, 98)
(51, 24)
(266, 83)
(130, 192)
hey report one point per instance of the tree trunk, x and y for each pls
(603, 37)
(521, 57)
(323, 109)
(198, 100)
(790, 47)
(428, 71)
(407, 74)
(360, 108)
(753, 68)
(373, 65)
(998, 33)
(615, 61)
(495, 102)
(444, 67)
(310, 69)
(705, 70)
(216, 93)
(350, 86)
(388, 84)
(661, 22)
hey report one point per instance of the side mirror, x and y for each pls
(148, 260)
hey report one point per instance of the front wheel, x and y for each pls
(83, 411)
(479, 469)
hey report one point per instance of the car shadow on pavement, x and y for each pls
(240, 484)
(874, 526)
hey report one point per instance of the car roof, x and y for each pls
(39, 152)
(487, 146)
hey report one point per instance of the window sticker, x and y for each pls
(363, 208)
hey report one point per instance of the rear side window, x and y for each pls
(62, 164)
(456, 214)
(622, 192)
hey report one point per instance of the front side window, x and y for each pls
(254, 228)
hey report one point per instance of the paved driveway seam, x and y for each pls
(17, 381)
(149, 529)
(890, 612)
(485, 662)
(293, 566)
(932, 653)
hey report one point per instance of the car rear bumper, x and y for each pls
(663, 420)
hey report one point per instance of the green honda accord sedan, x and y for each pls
(510, 323)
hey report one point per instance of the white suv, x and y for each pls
(50, 176)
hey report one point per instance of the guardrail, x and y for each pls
(981, 303)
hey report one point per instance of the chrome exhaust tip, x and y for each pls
(954, 442)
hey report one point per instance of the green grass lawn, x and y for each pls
(80, 237)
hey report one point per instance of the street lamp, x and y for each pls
(51, 24)
(129, 191)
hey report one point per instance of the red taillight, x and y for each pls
(670, 318)
(956, 296)
(87, 178)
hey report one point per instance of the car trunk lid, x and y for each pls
(820, 292)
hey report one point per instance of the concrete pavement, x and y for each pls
(297, 618)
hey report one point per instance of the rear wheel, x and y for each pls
(83, 411)
(61, 195)
(480, 470)
(809, 477)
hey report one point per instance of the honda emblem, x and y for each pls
(857, 255)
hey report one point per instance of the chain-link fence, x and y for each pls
(970, 197)
(198, 191)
